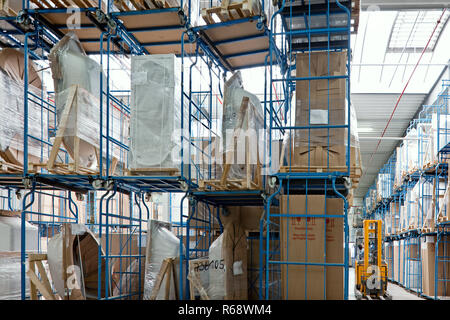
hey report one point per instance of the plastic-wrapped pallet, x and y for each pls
(441, 131)
(72, 68)
(161, 244)
(426, 152)
(156, 112)
(10, 235)
(384, 186)
(12, 110)
(230, 251)
(247, 122)
(10, 281)
(410, 152)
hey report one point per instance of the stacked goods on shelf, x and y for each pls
(399, 255)
(440, 134)
(12, 112)
(242, 141)
(139, 5)
(228, 278)
(303, 240)
(75, 251)
(412, 265)
(233, 10)
(77, 99)
(10, 276)
(412, 205)
(443, 215)
(392, 218)
(410, 155)
(156, 116)
(162, 246)
(398, 180)
(384, 186)
(319, 103)
(426, 153)
(428, 259)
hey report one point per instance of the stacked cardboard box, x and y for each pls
(428, 251)
(303, 240)
(398, 261)
(318, 103)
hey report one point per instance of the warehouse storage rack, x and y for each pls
(107, 33)
(432, 172)
(302, 27)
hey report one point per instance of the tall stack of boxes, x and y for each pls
(319, 103)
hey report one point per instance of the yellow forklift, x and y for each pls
(371, 272)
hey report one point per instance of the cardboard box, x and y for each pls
(321, 102)
(398, 261)
(295, 248)
(234, 248)
(428, 249)
(327, 158)
(253, 270)
(248, 217)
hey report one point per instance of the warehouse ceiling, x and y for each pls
(384, 54)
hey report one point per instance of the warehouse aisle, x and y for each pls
(397, 292)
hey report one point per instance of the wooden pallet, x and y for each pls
(62, 4)
(152, 172)
(234, 11)
(42, 283)
(355, 172)
(429, 165)
(230, 184)
(7, 167)
(427, 230)
(252, 172)
(62, 168)
(8, 213)
(442, 219)
(138, 5)
(6, 10)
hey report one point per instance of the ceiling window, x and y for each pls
(411, 30)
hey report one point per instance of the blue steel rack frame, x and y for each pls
(329, 184)
(432, 173)
(33, 33)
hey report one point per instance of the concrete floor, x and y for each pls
(397, 292)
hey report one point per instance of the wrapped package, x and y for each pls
(398, 167)
(319, 103)
(161, 244)
(412, 205)
(410, 152)
(216, 288)
(441, 132)
(74, 73)
(426, 154)
(253, 6)
(241, 122)
(81, 263)
(384, 186)
(10, 276)
(156, 112)
(228, 264)
(12, 110)
(10, 234)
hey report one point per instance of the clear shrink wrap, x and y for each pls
(241, 121)
(10, 276)
(75, 73)
(161, 244)
(12, 118)
(156, 112)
